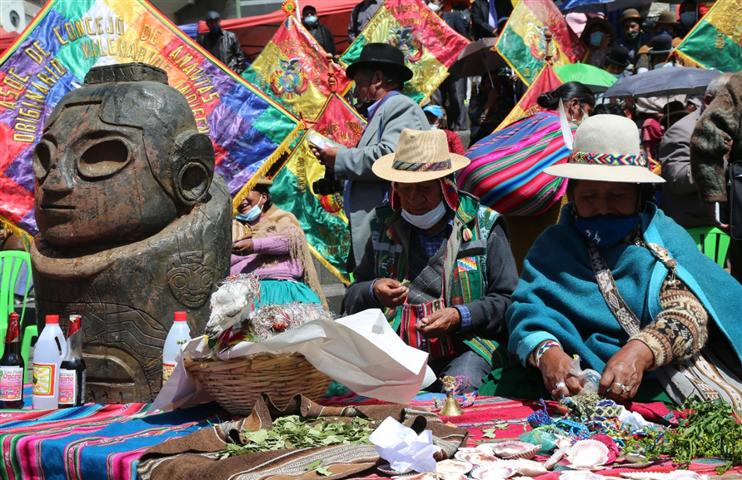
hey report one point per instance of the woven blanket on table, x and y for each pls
(94, 441)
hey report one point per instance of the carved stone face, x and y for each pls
(94, 183)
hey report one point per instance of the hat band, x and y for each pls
(608, 159)
(421, 167)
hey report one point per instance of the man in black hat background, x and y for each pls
(222, 44)
(631, 34)
(319, 31)
(616, 61)
(379, 75)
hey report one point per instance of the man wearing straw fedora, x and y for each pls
(379, 75)
(437, 261)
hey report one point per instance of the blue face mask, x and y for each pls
(596, 38)
(310, 19)
(251, 214)
(607, 230)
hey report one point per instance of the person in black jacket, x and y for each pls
(482, 25)
(222, 44)
(320, 32)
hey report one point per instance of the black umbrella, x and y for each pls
(478, 58)
(669, 80)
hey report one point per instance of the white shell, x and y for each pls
(492, 471)
(676, 475)
(587, 454)
(474, 456)
(446, 467)
(510, 449)
(529, 468)
(580, 475)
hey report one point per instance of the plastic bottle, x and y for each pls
(178, 336)
(72, 368)
(50, 349)
(11, 367)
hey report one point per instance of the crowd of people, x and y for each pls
(616, 282)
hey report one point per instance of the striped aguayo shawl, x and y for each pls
(506, 169)
(93, 441)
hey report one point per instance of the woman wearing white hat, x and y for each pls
(622, 286)
(437, 262)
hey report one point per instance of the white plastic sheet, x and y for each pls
(404, 449)
(360, 351)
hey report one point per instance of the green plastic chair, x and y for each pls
(712, 242)
(11, 262)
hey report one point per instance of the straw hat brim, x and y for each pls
(382, 168)
(604, 173)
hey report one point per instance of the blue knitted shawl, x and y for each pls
(558, 297)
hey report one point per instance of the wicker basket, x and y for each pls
(237, 384)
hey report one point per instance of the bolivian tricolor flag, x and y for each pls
(716, 40)
(293, 69)
(429, 45)
(321, 216)
(523, 42)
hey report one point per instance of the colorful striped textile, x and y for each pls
(506, 169)
(429, 45)
(67, 38)
(294, 71)
(93, 441)
(716, 40)
(523, 41)
(545, 81)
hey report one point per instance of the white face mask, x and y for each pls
(426, 220)
(434, 6)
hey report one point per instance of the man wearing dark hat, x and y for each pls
(659, 50)
(320, 32)
(379, 75)
(222, 44)
(617, 60)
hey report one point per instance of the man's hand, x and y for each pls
(325, 155)
(390, 292)
(242, 247)
(624, 371)
(555, 366)
(440, 323)
(713, 214)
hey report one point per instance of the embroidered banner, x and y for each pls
(716, 40)
(68, 37)
(429, 45)
(523, 42)
(294, 70)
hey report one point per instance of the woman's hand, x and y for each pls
(439, 322)
(389, 292)
(242, 247)
(624, 371)
(555, 366)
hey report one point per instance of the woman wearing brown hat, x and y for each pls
(437, 262)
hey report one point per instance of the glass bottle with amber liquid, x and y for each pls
(72, 368)
(11, 366)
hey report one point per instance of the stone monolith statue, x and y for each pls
(133, 223)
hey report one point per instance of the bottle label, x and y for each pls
(11, 384)
(167, 371)
(44, 379)
(67, 386)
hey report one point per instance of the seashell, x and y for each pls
(492, 471)
(475, 457)
(511, 449)
(676, 475)
(529, 468)
(453, 467)
(587, 454)
(580, 475)
(417, 476)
